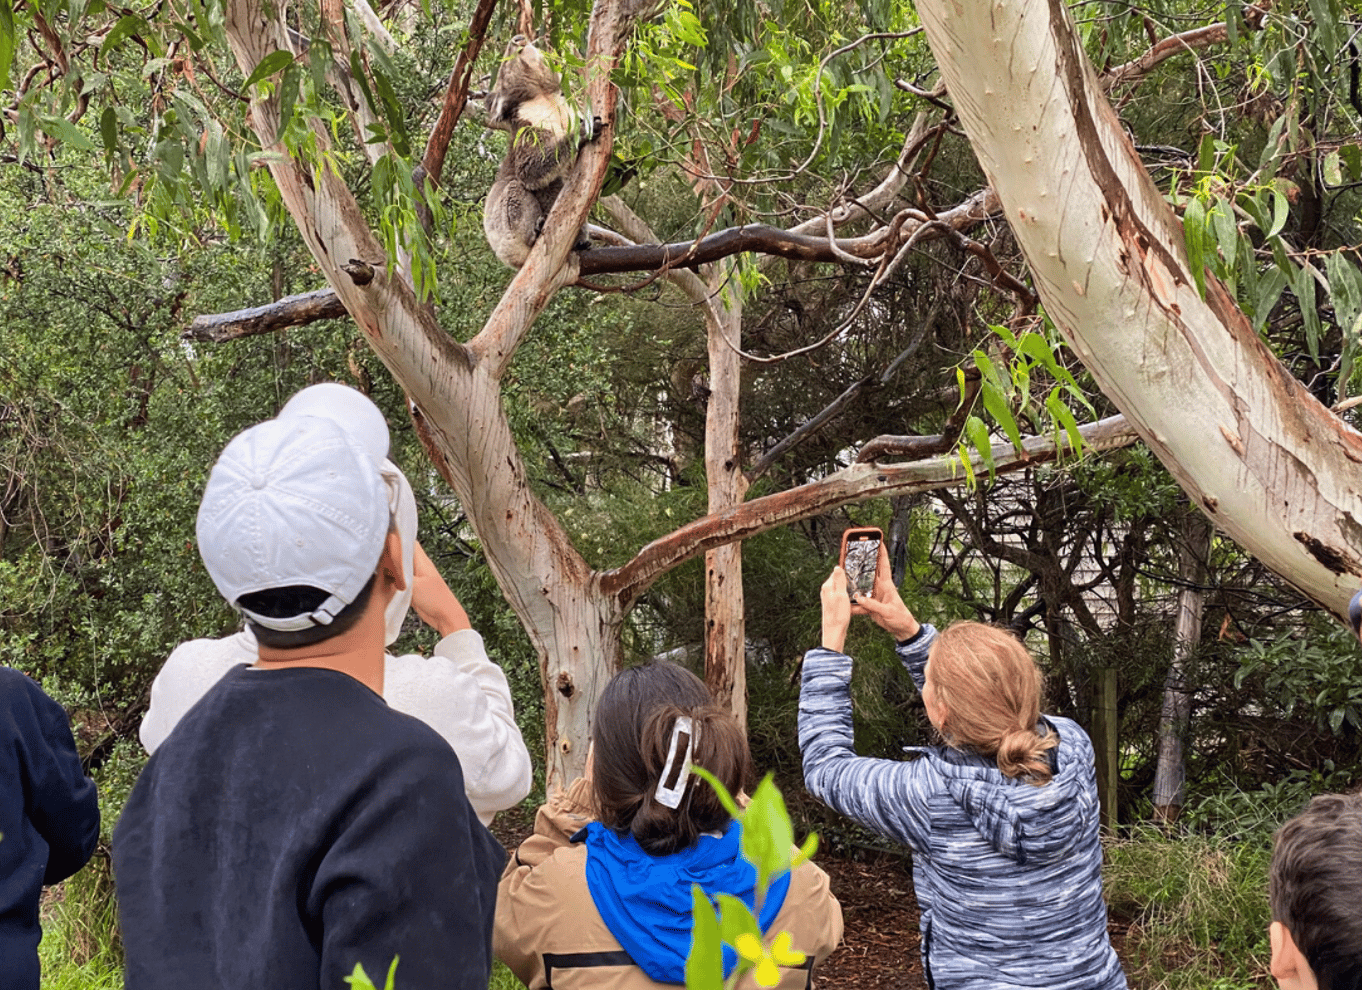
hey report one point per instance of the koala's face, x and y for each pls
(524, 76)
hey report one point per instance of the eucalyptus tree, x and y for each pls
(834, 131)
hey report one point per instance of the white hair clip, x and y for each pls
(675, 775)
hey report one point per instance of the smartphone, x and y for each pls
(860, 557)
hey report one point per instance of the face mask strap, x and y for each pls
(671, 788)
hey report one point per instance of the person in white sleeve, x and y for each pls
(458, 691)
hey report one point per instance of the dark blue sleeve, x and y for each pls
(65, 805)
(412, 874)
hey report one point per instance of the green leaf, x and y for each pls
(806, 851)
(1194, 233)
(1333, 169)
(1303, 284)
(1064, 418)
(392, 113)
(1270, 287)
(108, 130)
(1226, 233)
(735, 919)
(288, 97)
(127, 26)
(1352, 157)
(66, 132)
(6, 41)
(268, 66)
(767, 836)
(997, 405)
(705, 964)
(977, 432)
(725, 798)
(1281, 212)
(359, 980)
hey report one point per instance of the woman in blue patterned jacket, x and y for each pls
(1002, 819)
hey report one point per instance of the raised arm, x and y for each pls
(463, 696)
(889, 796)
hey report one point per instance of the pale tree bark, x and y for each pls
(725, 622)
(725, 615)
(1170, 773)
(1258, 454)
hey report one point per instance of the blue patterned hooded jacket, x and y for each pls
(1008, 875)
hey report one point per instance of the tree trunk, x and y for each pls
(725, 625)
(1170, 773)
(1256, 452)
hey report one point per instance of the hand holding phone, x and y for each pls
(859, 558)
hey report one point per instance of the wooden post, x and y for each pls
(1104, 740)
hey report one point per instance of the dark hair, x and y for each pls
(631, 735)
(1315, 887)
(300, 599)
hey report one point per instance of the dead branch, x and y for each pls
(916, 448)
(291, 311)
(294, 310)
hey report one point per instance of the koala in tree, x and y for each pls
(528, 101)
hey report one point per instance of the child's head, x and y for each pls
(1315, 889)
(632, 738)
(986, 688)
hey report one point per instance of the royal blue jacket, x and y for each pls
(1008, 875)
(49, 818)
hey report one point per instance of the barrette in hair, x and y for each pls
(676, 774)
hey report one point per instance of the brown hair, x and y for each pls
(631, 735)
(990, 687)
(1315, 885)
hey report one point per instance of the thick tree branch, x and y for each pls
(652, 257)
(291, 311)
(851, 484)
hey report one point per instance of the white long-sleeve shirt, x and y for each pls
(458, 692)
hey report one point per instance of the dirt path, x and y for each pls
(880, 947)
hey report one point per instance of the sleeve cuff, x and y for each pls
(921, 631)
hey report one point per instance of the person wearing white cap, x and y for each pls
(457, 691)
(294, 826)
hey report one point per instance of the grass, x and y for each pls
(1195, 907)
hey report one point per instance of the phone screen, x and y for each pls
(863, 555)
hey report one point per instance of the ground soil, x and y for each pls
(880, 946)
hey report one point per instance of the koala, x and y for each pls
(528, 101)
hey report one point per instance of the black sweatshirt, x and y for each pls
(293, 825)
(49, 818)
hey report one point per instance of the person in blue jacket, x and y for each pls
(49, 818)
(1002, 819)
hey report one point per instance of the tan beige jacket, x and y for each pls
(550, 934)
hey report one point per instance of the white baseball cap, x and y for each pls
(351, 408)
(293, 501)
(357, 415)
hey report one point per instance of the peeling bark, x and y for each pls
(1271, 466)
